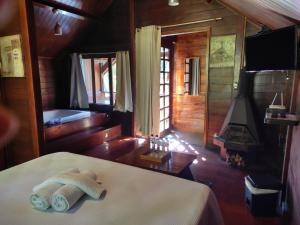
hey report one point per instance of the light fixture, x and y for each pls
(55, 11)
(57, 29)
(173, 2)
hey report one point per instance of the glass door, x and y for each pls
(164, 89)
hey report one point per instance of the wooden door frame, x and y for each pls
(169, 46)
(27, 23)
(186, 29)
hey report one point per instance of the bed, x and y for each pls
(134, 196)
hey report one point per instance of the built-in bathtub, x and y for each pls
(63, 122)
(60, 116)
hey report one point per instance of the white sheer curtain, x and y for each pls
(123, 92)
(195, 76)
(148, 40)
(78, 93)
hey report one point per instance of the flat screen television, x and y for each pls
(272, 50)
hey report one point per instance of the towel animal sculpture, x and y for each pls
(63, 190)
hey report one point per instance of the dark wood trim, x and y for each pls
(243, 43)
(132, 26)
(97, 49)
(206, 113)
(110, 81)
(67, 8)
(93, 80)
(171, 82)
(32, 75)
(98, 55)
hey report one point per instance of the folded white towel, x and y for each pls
(66, 196)
(83, 182)
(41, 196)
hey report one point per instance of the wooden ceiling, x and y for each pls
(94, 7)
(75, 28)
(272, 13)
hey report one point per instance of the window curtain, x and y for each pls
(148, 41)
(78, 93)
(195, 76)
(123, 90)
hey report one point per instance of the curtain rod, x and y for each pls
(194, 22)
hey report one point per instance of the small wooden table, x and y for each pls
(177, 165)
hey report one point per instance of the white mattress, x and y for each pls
(134, 196)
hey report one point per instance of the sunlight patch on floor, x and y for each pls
(178, 144)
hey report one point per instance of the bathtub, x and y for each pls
(59, 116)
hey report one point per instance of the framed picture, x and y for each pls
(11, 56)
(222, 51)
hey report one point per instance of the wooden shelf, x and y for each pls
(290, 119)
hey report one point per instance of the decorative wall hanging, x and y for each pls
(222, 51)
(11, 56)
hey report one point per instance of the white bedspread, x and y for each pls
(134, 196)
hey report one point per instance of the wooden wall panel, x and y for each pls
(16, 99)
(220, 94)
(48, 83)
(266, 84)
(189, 111)
(113, 33)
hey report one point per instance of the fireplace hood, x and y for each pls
(239, 131)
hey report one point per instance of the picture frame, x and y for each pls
(222, 51)
(11, 56)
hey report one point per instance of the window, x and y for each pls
(100, 78)
(164, 89)
(187, 77)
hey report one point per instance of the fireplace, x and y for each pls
(239, 135)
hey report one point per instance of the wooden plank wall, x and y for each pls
(266, 84)
(48, 83)
(113, 33)
(220, 80)
(189, 111)
(16, 99)
(220, 96)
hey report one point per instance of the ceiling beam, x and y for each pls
(68, 9)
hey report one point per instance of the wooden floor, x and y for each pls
(227, 182)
